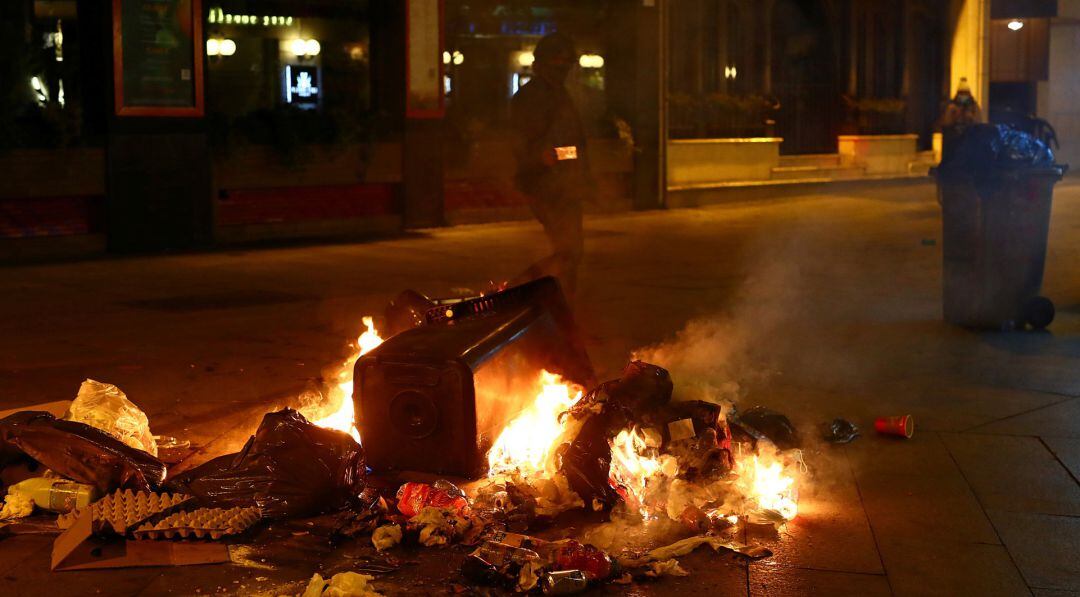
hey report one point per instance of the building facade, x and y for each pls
(237, 121)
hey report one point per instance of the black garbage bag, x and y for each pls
(79, 452)
(763, 423)
(643, 388)
(642, 392)
(984, 148)
(586, 462)
(289, 468)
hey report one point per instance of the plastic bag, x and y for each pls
(290, 467)
(841, 431)
(763, 423)
(79, 452)
(984, 148)
(106, 407)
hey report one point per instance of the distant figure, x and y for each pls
(552, 159)
(961, 112)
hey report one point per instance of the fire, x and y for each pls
(527, 444)
(341, 393)
(635, 461)
(764, 479)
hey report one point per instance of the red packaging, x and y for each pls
(414, 497)
(571, 555)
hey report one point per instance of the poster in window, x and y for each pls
(423, 59)
(157, 57)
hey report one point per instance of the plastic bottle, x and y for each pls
(56, 495)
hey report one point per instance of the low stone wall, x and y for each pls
(879, 154)
(700, 162)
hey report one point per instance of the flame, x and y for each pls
(341, 393)
(527, 444)
(763, 479)
(636, 463)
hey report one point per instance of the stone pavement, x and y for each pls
(818, 306)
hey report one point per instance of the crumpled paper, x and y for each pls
(681, 548)
(386, 537)
(16, 505)
(438, 526)
(343, 584)
(666, 568)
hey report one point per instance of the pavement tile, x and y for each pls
(913, 489)
(1054, 593)
(1044, 547)
(926, 566)
(1057, 420)
(832, 531)
(18, 549)
(773, 580)
(1016, 474)
(1067, 451)
(952, 406)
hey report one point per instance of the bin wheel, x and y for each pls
(1038, 312)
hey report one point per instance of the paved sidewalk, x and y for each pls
(817, 306)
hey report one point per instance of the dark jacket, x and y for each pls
(544, 118)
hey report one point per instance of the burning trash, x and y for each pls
(496, 391)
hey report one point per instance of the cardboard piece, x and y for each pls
(78, 549)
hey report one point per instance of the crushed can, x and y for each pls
(564, 582)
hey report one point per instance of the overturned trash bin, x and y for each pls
(995, 187)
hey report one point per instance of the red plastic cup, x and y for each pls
(901, 426)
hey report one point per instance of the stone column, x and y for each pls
(970, 55)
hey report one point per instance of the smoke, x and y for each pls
(719, 357)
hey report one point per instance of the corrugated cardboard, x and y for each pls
(78, 549)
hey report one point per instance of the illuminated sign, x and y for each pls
(301, 86)
(220, 17)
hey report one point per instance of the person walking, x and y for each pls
(552, 159)
(960, 113)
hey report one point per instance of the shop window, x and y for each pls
(40, 98)
(286, 73)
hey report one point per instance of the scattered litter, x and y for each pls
(412, 498)
(564, 582)
(438, 526)
(289, 468)
(665, 568)
(343, 584)
(80, 452)
(54, 494)
(684, 547)
(841, 431)
(899, 426)
(172, 450)
(204, 523)
(763, 423)
(16, 505)
(107, 408)
(386, 536)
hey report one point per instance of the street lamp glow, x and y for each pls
(526, 59)
(458, 57)
(1016, 24)
(213, 47)
(312, 47)
(227, 47)
(591, 61)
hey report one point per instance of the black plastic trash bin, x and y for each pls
(995, 226)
